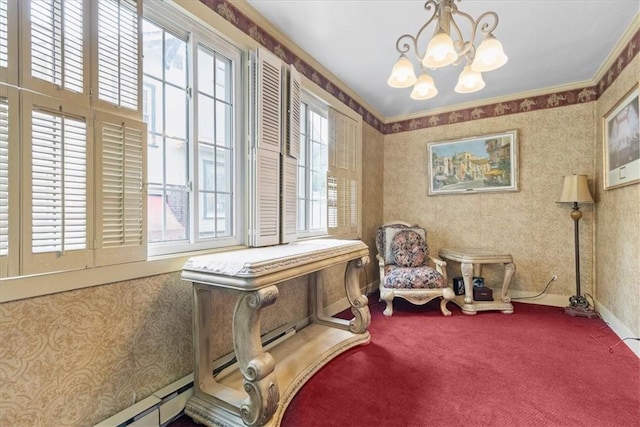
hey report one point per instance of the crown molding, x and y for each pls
(251, 13)
(496, 100)
(618, 49)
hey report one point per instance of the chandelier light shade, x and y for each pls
(448, 46)
(403, 74)
(424, 88)
(489, 56)
(469, 81)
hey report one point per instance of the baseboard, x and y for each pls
(619, 328)
(544, 299)
(157, 410)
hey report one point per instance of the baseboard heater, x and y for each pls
(167, 404)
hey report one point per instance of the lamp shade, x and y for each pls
(469, 81)
(489, 56)
(440, 51)
(424, 88)
(402, 74)
(575, 189)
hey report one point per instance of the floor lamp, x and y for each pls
(576, 190)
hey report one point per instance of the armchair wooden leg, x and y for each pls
(443, 307)
(387, 297)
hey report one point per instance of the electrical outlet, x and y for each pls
(554, 277)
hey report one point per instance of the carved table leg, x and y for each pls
(509, 269)
(360, 323)
(255, 364)
(467, 271)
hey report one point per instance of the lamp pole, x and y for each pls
(578, 304)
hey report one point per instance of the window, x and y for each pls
(109, 154)
(312, 168)
(190, 104)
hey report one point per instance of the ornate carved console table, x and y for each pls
(258, 390)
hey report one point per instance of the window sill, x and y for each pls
(22, 287)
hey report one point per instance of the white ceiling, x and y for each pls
(549, 43)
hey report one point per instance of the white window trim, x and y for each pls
(321, 108)
(176, 19)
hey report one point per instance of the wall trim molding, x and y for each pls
(579, 92)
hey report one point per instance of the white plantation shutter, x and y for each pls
(58, 152)
(9, 41)
(4, 183)
(289, 199)
(267, 97)
(4, 34)
(121, 203)
(343, 176)
(293, 122)
(289, 181)
(118, 47)
(9, 181)
(57, 47)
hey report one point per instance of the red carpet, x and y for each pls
(536, 367)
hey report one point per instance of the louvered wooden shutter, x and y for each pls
(4, 35)
(57, 47)
(9, 41)
(289, 182)
(289, 199)
(121, 203)
(343, 177)
(267, 97)
(118, 55)
(58, 153)
(4, 183)
(9, 182)
(293, 122)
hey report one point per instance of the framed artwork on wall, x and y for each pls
(622, 142)
(474, 165)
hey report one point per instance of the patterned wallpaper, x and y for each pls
(528, 224)
(618, 222)
(76, 358)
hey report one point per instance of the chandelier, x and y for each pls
(448, 47)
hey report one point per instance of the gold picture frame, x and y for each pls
(621, 137)
(478, 164)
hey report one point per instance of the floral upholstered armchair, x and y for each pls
(403, 257)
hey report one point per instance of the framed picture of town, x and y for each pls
(622, 142)
(474, 165)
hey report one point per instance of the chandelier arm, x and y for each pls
(462, 47)
(427, 7)
(487, 27)
(405, 47)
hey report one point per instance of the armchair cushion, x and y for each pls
(411, 240)
(408, 248)
(412, 277)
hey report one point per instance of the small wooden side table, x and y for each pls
(471, 262)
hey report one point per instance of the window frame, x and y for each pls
(320, 108)
(178, 22)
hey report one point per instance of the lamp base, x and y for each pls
(580, 312)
